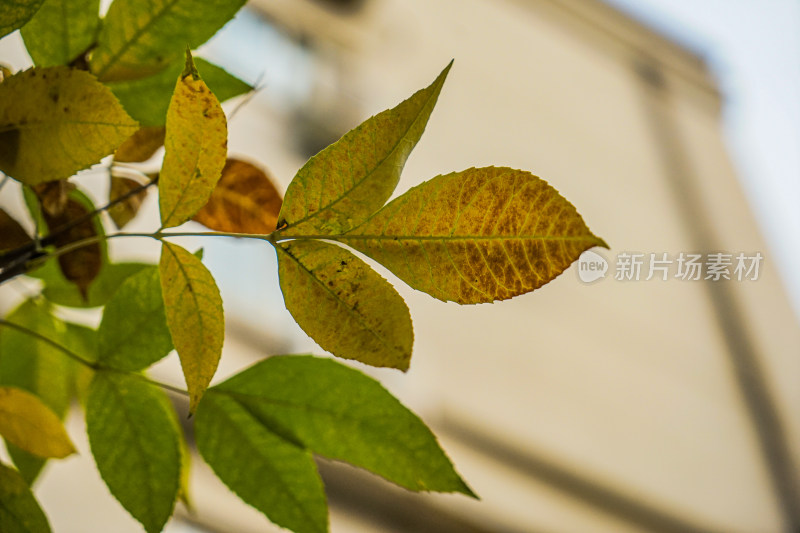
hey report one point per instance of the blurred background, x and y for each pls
(665, 405)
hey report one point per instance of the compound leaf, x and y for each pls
(141, 38)
(273, 475)
(133, 333)
(30, 425)
(16, 13)
(346, 182)
(342, 414)
(135, 445)
(55, 121)
(244, 201)
(194, 316)
(476, 236)
(196, 146)
(344, 305)
(147, 99)
(19, 510)
(61, 31)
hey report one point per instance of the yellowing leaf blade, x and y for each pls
(55, 121)
(344, 305)
(196, 147)
(345, 183)
(30, 425)
(244, 201)
(476, 236)
(194, 316)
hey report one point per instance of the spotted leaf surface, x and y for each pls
(476, 236)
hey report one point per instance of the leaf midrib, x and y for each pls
(136, 36)
(447, 238)
(375, 168)
(352, 311)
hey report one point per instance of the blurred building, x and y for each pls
(616, 405)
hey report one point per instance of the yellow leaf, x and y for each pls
(348, 181)
(12, 235)
(142, 145)
(344, 305)
(56, 121)
(476, 236)
(244, 201)
(123, 211)
(29, 424)
(196, 146)
(194, 316)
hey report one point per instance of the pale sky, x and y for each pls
(753, 48)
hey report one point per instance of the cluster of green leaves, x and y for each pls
(122, 85)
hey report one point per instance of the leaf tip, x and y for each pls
(190, 69)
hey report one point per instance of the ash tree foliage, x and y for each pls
(126, 85)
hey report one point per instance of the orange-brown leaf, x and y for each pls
(124, 211)
(53, 195)
(83, 264)
(12, 235)
(141, 145)
(244, 201)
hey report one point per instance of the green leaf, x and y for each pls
(16, 13)
(141, 38)
(32, 426)
(194, 316)
(61, 31)
(196, 147)
(19, 510)
(273, 475)
(55, 121)
(35, 365)
(134, 334)
(341, 186)
(60, 291)
(342, 414)
(147, 99)
(344, 305)
(40, 368)
(135, 445)
(476, 236)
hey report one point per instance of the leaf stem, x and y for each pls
(66, 351)
(89, 364)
